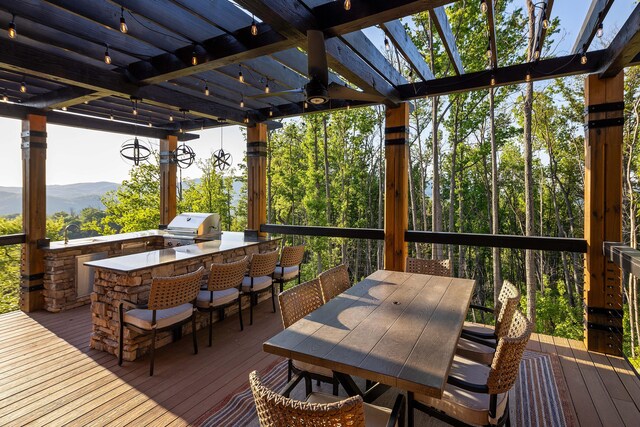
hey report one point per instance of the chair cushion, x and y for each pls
(314, 369)
(374, 416)
(477, 352)
(466, 406)
(219, 297)
(477, 328)
(259, 283)
(289, 272)
(167, 317)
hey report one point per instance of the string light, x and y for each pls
(600, 30)
(240, 76)
(107, 57)
(270, 112)
(527, 78)
(194, 57)
(266, 87)
(123, 24)
(12, 28)
(23, 87)
(242, 102)
(246, 118)
(387, 47)
(583, 58)
(150, 124)
(306, 105)
(536, 54)
(135, 107)
(483, 6)
(64, 108)
(254, 26)
(545, 21)
(171, 117)
(493, 80)
(348, 105)
(5, 98)
(489, 54)
(111, 115)
(347, 4)
(206, 88)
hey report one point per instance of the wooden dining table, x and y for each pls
(395, 329)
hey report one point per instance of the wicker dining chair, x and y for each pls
(435, 267)
(259, 279)
(334, 281)
(478, 342)
(288, 268)
(296, 303)
(476, 394)
(321, 410)
(223, 290)
(171, 303)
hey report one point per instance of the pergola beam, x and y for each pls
(401, 40)
(597, 12)
(625, 46)
(441, 22)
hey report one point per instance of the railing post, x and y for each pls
(396, 204)
(257, 176)
(168, 179)
(603, 211)
(34, 210)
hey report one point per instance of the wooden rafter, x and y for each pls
(491, 22)
(545, 7)
(597, 12)
(625, 46)
(441, 22)
(399, 37)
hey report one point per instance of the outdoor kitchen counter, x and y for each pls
(75, 244)
(129, 277)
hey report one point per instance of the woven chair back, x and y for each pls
(275, 410)
(334, 281)
(167, 292)
(506, 361)
(291, 256)
(507, 305)
(263, 264)
(435, 267)
(227, 275)
(298, 301)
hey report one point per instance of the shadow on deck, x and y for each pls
(49, 375)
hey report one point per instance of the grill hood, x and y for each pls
(195, 224)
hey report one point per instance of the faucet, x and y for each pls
(66, 230)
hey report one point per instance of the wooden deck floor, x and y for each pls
(49, 376)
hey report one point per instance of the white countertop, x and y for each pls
(128, 263)
(86, 241)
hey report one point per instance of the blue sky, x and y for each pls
(72, 153)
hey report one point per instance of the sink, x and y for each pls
(83, 241)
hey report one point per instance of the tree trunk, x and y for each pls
(495, 194)
(436, 219)
(452, 177)
(381, 189)
(412, 200)
(530, 271)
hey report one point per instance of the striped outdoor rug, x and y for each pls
(539, 398)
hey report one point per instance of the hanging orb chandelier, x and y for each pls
(221, 159)
(184, 156)
(135, 150)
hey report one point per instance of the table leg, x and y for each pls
(352, 389)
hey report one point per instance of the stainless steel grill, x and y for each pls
(189, 227)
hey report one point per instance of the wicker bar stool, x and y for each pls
(435, 267)
(476, 394)
(295, 303)
(171, 303)
(478, 342)
(260, 279)
(288, 268)
(334, 281)
(321, 410)
(223, 290)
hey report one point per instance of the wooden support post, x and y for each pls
(603, 211)
(396, 200)
(34, 210)
(257, 176)
(168, 179)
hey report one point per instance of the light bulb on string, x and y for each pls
(347, 4)
(583, 58)
(536, 54)
(545, 21)
(194, 57)
(171, 117)
(254, 26)
(600, 30)
(123, 24)
(64, 108)
(23, 87)
(242, 102)
(483, 6)
(266, 87)
(246, 118)
(489, 53)
(306, 105)
(387, 46)
(527, 78)
(240, 76)
(111, 115)
(206, 88)
(12, 28)
(493, 80)
(5, 97)
(270, 112)
(107, 57)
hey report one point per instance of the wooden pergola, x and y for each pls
(161, 69)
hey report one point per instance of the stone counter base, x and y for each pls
(111, 287)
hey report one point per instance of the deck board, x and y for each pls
(50, 376)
